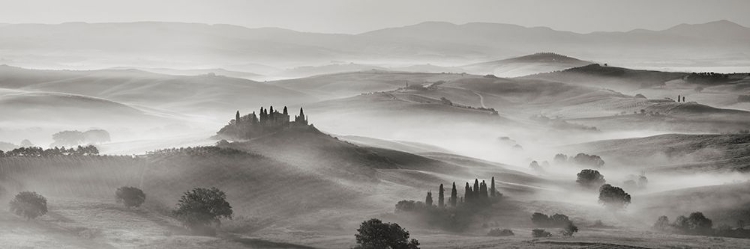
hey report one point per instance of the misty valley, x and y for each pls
(435, 135)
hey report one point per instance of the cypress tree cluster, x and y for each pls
(477, 194)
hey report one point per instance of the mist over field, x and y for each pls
(157, 127)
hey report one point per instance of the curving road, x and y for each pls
(481, 99)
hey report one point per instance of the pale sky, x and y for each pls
(356, 16)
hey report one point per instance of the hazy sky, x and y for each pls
(355, 16)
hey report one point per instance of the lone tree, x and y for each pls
(201, 208)
(130, 196)
(374, 234)
(29, 205)
(590, 178)
(613, 197)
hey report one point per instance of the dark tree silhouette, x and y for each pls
(130, 196)
(428, 199)
(588, 160)
(493, 191)
(441, 197)
(590, 178)
(467, 193)
(374, 234)
(475, 191)
(201, 208)
(237, 118)
(454, 195)
(699, 223)
(569, 229)
(613, 197)
(29, 205)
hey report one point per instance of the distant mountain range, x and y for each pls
(190, 45)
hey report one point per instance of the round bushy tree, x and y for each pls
(590, 178)
(130, 196)
(613, 197)
(29, 205)
(374, 234)
(201, 208)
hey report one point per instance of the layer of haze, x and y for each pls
(344, 16)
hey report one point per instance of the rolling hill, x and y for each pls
(675, 152)
(525, 65)
(51, 109)
(194, 95)
(616, 78)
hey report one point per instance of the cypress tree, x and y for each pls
(428, 199)
(476, 186)
(454, 195)
(483, 190)
(441, 196)
(467, 192)
(237, 118)
(492, 187)
(285, 112)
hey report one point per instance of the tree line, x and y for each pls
(88, 150)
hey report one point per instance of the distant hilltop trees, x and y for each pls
(265, 122)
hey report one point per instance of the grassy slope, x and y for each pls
(730, 151)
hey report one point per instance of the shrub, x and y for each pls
(590, 178)
(540, 233)
(374, 234)
(613, 197)
(130, 196)
(497, 232)
(201, 208)
(29, 205)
